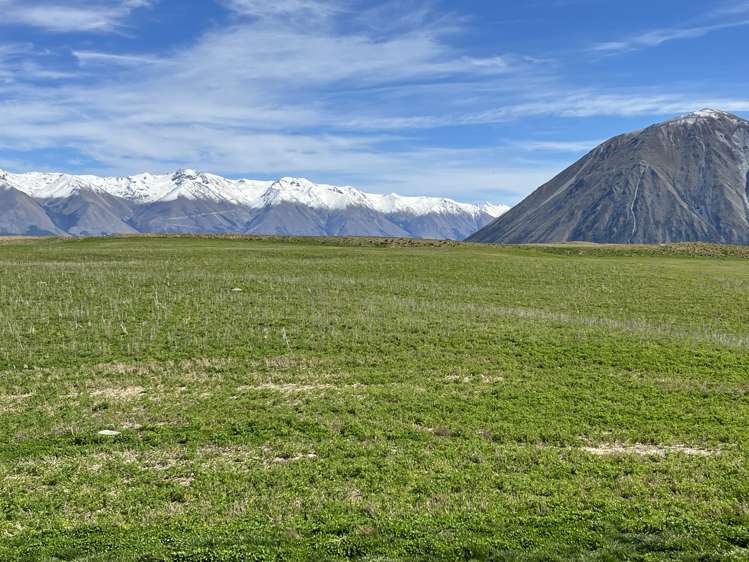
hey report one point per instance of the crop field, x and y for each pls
(290, 399)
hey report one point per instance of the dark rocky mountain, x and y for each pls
(436, 226)
(193, 202)
(88, 213)
(301, 220)
(21, 215)
(184, 215)
(683, 180)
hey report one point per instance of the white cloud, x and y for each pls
(732, 8)
(556, 101)
(592, 103)
(716, 19)
(266, 96)
(23, 63)
(252, 97)
(558, 146)
(70, 16)
(94, 57)
(273, 8)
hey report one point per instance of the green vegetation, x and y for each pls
(366, 399)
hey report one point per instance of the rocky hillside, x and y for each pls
(679, 181)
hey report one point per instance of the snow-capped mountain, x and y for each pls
(190, 201)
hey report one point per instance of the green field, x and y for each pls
(372, 400)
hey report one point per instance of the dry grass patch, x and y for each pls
(238, 455)
(148, 367)
(295, 458)
(126, 393)
(702, 387)
(13, 402)
(284, 363)
(148, 459)
(440, 431)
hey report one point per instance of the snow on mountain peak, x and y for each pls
(704, 115)
(194, 185)
(711, 113)
(185, 175)
(302, 191)
(493, 210)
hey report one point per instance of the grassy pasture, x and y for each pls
(372, 399)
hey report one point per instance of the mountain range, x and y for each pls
(194, 202)
(682, 180)
(686, 179)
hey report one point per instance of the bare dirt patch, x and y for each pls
(612, 449)
(286, 388)
(478, 379)
(295, 458)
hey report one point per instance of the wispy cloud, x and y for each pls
(559, 101)
(272, 8)
(254, 97)
(558, 146)
(657, 37)
(94, 57)
(24, 63)
(592, 103)
(70, 16)
(732, 8)
(719, 17)
(346, 99)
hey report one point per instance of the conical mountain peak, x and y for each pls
(682, 180)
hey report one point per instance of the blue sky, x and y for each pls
(477, 100)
